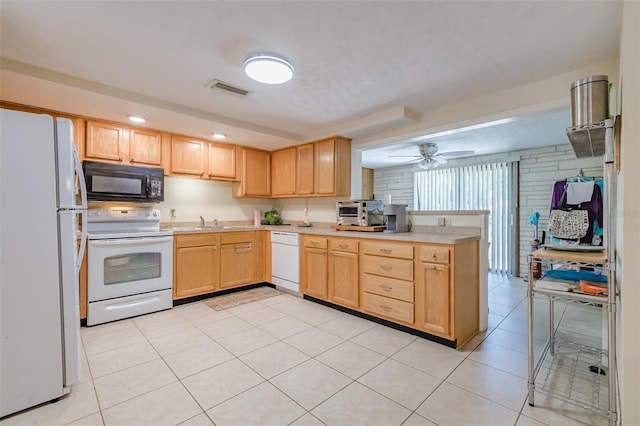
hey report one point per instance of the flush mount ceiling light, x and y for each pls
(136, 118)
(217, 135)
(268, 69)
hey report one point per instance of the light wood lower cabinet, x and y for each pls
(237, 258)
(196, 264)
(433, 299)
(314, 267)
(433, 288)
(447, 290)
(209, 262)
(387, 280)
(343, 272)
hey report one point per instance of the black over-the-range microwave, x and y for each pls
(117, 182)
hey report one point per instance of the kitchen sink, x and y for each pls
(209, 228)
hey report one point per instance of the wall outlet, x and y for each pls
(447, 221)
(442, 221)
(173, 213)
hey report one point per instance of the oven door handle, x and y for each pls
(130, 241)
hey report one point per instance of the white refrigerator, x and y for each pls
(40, 182)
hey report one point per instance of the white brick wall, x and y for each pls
(539, 169)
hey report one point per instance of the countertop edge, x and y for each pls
(416, 237)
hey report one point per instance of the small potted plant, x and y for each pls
(272, 217)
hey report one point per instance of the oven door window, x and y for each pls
(348, 211)
(124, 267)
(132, 267)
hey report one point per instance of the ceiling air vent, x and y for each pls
(221, 85)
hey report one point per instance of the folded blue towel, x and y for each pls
(562, 274)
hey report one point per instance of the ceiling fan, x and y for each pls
(429, 157)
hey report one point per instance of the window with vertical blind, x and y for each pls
(480, 187)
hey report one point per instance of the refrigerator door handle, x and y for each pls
(83, 239)
(83, 184)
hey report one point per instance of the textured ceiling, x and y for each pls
(353, 59)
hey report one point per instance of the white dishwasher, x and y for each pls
(285, 260)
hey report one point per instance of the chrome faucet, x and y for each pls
(215, 222)
(201, 222)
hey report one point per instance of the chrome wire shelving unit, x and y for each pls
(568, 368)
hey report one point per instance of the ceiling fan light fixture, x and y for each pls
(268, 68)
(424, 164)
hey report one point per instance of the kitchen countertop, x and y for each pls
(440, 237)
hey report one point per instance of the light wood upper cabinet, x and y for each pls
(283, 172)
(145, 147)
(222, 161)
(255, 173)
(332, 167)
(318, 169)
(367, 184)
(109, 142)
(304, 169)
(106, 141)
(187, 156)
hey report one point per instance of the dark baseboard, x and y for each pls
(221, 293)
(396, 326)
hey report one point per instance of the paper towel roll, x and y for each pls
(256, 217)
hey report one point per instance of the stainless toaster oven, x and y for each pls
(359, 213)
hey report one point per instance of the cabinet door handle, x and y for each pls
(434, 255)
(239, 247)
(386, 287)
(387, 251)
(433, 267)
(344, 246)
(120, 158)
(386, 267)
(314, 243)
(386, 308)
(133, 160)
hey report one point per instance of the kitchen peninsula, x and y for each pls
(426, 283)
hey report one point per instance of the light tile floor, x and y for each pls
(285, 360)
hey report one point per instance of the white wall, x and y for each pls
(628, 216)
(211, 199)
(193, 198)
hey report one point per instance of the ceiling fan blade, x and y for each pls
(414, 156)
(409, 162)
(452, 154)
(439, 159)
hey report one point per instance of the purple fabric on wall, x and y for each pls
(593, 207)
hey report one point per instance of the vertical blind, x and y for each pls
(482, 187)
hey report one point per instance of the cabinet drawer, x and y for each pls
(389, 308)
(343, 245)
(434, 254)
(236, 237)
(388, 287)
(196, 240)
(315, 242)
(388, 267)
(388, 250)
